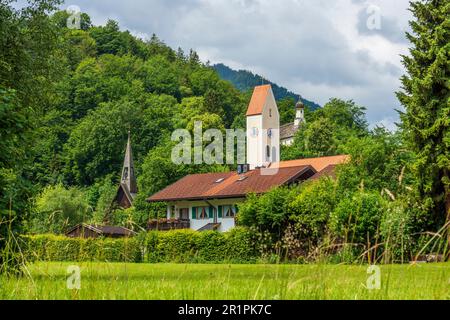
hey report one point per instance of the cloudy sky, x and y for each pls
(318, 48)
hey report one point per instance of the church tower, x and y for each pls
(299, 114)
(128, 185)
(263, 128)
(128, 176)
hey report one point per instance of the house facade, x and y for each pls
(210, 201)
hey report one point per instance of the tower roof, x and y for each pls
(128, 176)
(299, 104)
(258, 100)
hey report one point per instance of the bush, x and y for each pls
(178, 246)
(58, 208)
(311, 209)
(356, 219)
(268, 211)
(59, 248)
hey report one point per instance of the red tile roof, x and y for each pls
(329, 171)
(258, 100)
(207, 186)
(317, 163)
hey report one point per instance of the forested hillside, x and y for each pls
(245, 80)
(100, 82)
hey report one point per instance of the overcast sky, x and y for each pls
(317, 48)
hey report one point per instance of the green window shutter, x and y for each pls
(236, 209)
(194, 211)
(220, 211)
(211, 212)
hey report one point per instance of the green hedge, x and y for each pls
(173, 246)
(181, 246)
(60, 248)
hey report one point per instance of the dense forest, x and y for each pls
(68, 98)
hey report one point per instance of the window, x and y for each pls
(184, 213)
(229, 212)
(254, 132)
(202, 213)
(270, 112)
(268, 152)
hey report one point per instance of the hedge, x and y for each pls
(176, 246)
(60, 248)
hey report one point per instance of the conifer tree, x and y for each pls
(425, 96)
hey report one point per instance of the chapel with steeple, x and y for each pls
(128, 185)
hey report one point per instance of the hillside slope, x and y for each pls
(245, 80)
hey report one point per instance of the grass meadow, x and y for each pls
(227, 282)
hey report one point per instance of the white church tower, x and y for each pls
(263, 128)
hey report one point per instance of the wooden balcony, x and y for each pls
(168, 224)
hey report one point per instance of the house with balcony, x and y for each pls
(210, 201)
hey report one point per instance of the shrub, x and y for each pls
(177, 246)
(240, 245)
(356, 218)
(311, 209)
(57, 208)
(267, 212)
(59, 248)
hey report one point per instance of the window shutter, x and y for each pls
(211, 212)
(236, 209)
(194, 211)
(220, 211)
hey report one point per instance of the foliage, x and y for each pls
(310, 210)
(28, 67)
(327, 130)
(425, 96)
(59, 248)
(172, 246)
(268, 211)
(356, 218)
(58, 208)
(377, 161)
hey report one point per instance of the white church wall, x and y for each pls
(271, 120)
(254, 142)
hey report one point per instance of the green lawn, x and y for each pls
(191, 281)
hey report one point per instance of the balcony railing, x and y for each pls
(168, 224)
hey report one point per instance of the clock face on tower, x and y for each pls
(255, 132)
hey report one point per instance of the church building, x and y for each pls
(128, 186)
(288, 131)
(209, 201)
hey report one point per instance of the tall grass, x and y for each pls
(229, 282)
